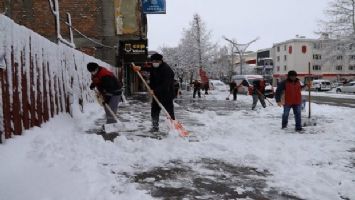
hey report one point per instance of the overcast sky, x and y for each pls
(273, 20)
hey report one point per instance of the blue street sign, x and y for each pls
(154, 6)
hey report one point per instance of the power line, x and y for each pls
(87, 37)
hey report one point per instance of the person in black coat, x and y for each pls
(197, 88)
(233, 89)
(162, 85)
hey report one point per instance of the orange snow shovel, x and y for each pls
(173, 124)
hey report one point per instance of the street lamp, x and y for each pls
(241, 49)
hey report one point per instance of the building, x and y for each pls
(248, 64)
(324, 56)
(99, 26)
(265, 64)
(114, 31)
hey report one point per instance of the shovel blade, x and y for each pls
(309, 122)
(176, 125)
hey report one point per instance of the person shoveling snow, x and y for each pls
(108, 91)
(161, 88)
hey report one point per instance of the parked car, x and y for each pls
(249, 78)
(321, 85)
(269, 91)
(218, 85)
(337, 84)
(347, 88)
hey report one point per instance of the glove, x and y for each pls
(92, 86)
(136, 68)
(99, 99)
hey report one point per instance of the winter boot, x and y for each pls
(155, 125)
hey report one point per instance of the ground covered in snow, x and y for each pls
(233, 153)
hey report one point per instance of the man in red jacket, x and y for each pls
(109, 87)
(291, 89)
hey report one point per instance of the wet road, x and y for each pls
(342, 102)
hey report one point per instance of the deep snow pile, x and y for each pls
(61, 161)
(42, 69)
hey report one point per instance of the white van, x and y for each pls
(321, 85)
(249, 78)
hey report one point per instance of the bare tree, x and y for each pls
(341, 18)
(337, 43)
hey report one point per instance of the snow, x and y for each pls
(64, 66)
(61, 161)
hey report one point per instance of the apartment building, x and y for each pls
(328, 59)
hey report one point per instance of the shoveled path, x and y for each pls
(202, 179)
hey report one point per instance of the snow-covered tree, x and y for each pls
(195, 50)
(337, 43)
(341, 18)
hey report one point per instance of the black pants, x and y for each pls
(198, 91)
(206, 89)
(168, 105)
(235, 92)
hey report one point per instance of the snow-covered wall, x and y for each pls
(38, 78)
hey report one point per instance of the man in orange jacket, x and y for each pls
(291, 89)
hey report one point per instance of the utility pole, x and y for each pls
(241, 48)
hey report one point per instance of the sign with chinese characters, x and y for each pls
(154, 6)
(134, 50)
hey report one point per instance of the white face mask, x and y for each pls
(94, 72)
(156, 65)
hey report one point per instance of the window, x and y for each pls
(339, 57)
(317, 57)
(278, 49)
(278, 58)
(352, 57)
(317, 68)
(285, 68)
(351, 46)
(285, 48)
(285, 57)
(317, 46)
(339, 67)
(352, 67)
(278, 68)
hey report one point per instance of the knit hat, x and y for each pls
(92, 67)
(156, 56)
(292, 73)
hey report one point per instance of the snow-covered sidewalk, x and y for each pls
(240, 153)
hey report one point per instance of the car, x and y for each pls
(321, 85)
(218, 85)
(347, 88)
(249, 78)
(337, 84)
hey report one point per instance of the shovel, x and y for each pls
(118, 126)
(173, 124)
